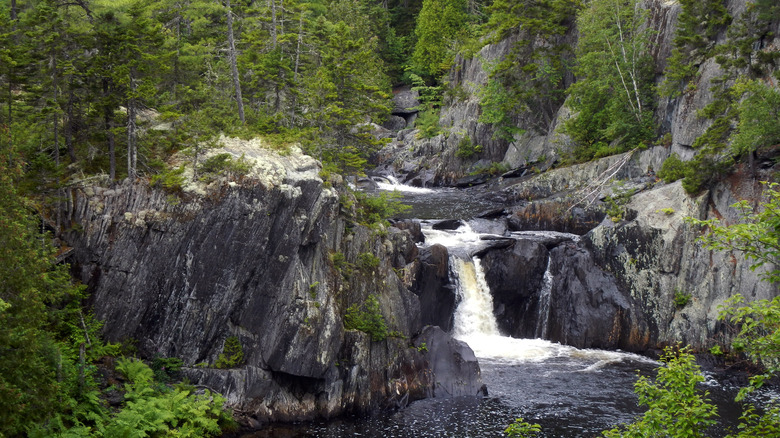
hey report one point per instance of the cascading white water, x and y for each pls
(476, 324)
(393, 184)
(474, 315)
(545, 300)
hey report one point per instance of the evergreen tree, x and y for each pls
(30, 282)
(440, 25)
(614, 95)
(348, 88)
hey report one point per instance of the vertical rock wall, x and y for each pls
(272, 261)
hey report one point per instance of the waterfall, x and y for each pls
(476, 324)
(474, 314)
(545, 298)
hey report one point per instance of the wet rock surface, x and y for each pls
(516, 275)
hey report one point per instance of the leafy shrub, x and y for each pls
(151, 412)
(616, 205)
(166, 368)
(522, 429)
(427, 123)
(169, 179)
(681, 299)
(673, 169)
(375, 209)
(674, 406)
(759, 111)
(232, 354)
(224, 164)
(466, 149)
(493, 169)
(692, 41)
(498, 105)
(367, 262)
(367, 318)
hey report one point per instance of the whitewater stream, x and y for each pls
(570, 392)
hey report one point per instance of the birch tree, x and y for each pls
(613, 95)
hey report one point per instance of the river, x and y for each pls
(570, 392)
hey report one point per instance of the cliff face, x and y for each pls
(616, 287)
(272, 261)
(436, 158)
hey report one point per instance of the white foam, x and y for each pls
(394, 185)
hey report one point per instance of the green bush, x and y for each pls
(367, 262)
(373, 209)
(673, 169)
(224, 164)
(232, 355)
(681, 299)
(466, 149)
(675, 408)
(168, 179)
(149, 411)
(522, 429)
(367, 318)
(427, 123)
(166, 369)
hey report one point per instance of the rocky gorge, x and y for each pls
(277, 259)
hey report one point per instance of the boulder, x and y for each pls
(405, 101)
(394, 123)
(455, 368)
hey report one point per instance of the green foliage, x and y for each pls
(613, 97)
(341, 265)
(367, 318)
(466, 149)
(166, 369)
(440, 24)
(224, 164)
(41, 331)
(528, 83)
(759, 329)
(522, 429)
(672, 169)
(492, 169)
(423, 347)
(367, 262)
(699, 22)
(616, 205)
(675, 408)
(376, 209)
(170, 179)
(757, 235)
(149, 411)
(427, 123)
(681, 299)
(759, 110)
(313, 290)
(232, 355)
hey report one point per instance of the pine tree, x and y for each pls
(348, 88)
(440, 25)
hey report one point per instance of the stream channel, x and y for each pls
(570, 392)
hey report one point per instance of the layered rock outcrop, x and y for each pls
(273, 261)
